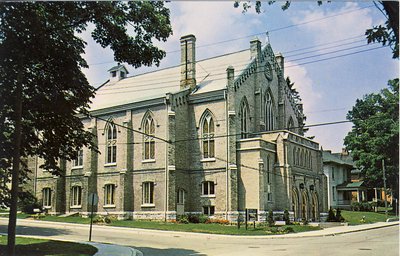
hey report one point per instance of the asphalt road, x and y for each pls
(382, 241)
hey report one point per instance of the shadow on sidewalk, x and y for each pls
(35, 231)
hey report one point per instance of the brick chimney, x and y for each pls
(255, 48)
(188, 62)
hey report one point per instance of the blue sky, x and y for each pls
(329, 88)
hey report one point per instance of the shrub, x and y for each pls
(339, 217)
(288, 230)
(203, 218)
(27, 202)
(286, 217)
(270, 218)
(184, 219)
(217, 221)
(193, 218)
(331, 216)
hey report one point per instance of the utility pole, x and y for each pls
(384, 186)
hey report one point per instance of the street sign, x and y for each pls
(93, 199)
(252, 214)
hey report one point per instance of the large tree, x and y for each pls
(42, 86)
(375, 136)
(387, 34)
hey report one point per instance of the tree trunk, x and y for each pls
(12, 220)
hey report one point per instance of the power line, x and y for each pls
(335, 57)
(176, 81)
(260, 33)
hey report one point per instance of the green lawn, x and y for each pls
(356, 218)
(41, 247)
(191, 227)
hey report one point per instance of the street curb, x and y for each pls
(132, 251)
(283, 236)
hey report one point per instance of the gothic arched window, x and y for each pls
(111, 143)
(148, 137)
(207, 130)
(268, 113)
(244, 119)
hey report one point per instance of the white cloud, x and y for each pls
(304, 85)
(338, 27)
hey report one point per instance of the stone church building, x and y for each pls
(214, 136)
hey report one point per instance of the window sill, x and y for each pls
(148, 205)
(47, 207)
(212, 159)
(148, 161)
(110, 164)
(208, 196)
(76, 207)
(109, 206)
(77, 167)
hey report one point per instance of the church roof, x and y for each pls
(210, 76)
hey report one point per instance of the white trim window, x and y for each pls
(208, 137)
(76, 196)
(269, 114)
(148, 138)
(46, 197)
(208, 188)
(111, 143)
(244, 119)
(148, 193)
(209, 210)
(109, 194)
(78, 161)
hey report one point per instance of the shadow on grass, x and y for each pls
(51, 248)
(35, 231)
(168, 252)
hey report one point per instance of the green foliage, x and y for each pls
(362, 206)
(286, 217)
(331, 215)
(184, 219)
(338, 216)
(270, 218)
(203, 218)
(27, 202)
(375, 136)
(41, 50)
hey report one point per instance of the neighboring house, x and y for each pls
(213, 136)
(342, 190)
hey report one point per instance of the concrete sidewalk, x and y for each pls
(114, 250)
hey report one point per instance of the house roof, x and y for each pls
(210, 76)
(328, 157)
(351, 185)
(118, 67)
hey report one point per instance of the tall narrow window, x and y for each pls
(180, 196)
(78, 161)
(76, 196)
(46, 197)
(109, 194)
(111, 132)
(208, 188)
(294, 156)
(268, 113)
(208, 137)
(148, 193)
(244, 119)
(148, 139)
